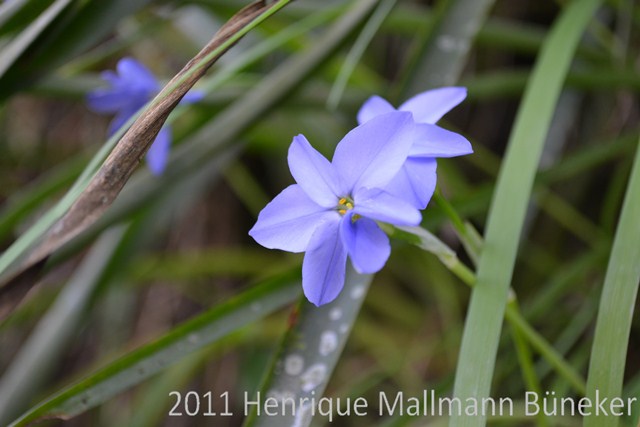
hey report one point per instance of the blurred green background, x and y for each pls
(173, 248)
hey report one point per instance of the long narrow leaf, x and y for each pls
(10, 53)
(484, 319)
(609, 352)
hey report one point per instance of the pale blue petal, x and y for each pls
(368, 246)
(158, 153)
(108, 100)
(372, 153)
(430, 106)
(136, 74)
(112, 78)
(192, 96)
(289, 221)
(373, 107)
(314, 173)
(434, 141)
(415, 182)
(324, 264)
(382, 206)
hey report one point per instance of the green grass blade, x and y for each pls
(69, 31)
(192, 335)
(426, 241)
(18, 45)
(506, 216)
(356, 52)
(617, 303)
(444, 52)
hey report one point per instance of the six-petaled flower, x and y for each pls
(331, 211)
(129, 90)
(383, 170)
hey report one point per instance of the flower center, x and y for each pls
(346, 204)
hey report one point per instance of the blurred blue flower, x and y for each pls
(331, 210)
(129, 90)
(416, 180)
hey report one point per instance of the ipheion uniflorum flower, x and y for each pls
(130, 88)
(382, 171)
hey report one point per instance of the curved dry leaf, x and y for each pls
(114, 173)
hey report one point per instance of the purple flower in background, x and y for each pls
(129, 90)
(416, 180)
(331, 210)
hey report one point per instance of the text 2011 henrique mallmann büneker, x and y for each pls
(389, 404)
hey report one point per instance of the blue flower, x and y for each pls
(129, 90)
(331, 211)
(416, 180)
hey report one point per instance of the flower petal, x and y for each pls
(368, 246)
(415, 182)
(136, 74)
(289, 221)
(434, 141)
(158, 153)
(372, 153)
(430, 106)
(314, 173)
(112, 78)
(107, 100)
(192, 96)
(382, 206)
(373, 107)
(324, 265)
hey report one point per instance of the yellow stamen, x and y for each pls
(342, 211)
(342, 201)
(349, 205)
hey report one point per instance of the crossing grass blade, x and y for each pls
(137, 366)
(483, 325)
(617, 303)
(94, 192)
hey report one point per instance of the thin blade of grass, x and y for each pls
(18, 45)
(483, 325)
(365, 37)
(443, 53)
(617, 303)
(76, 28)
